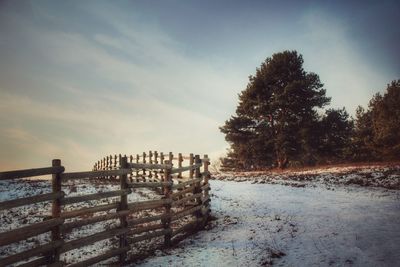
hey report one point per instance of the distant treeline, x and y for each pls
(279, 121)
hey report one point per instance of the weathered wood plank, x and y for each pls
(29, 200)
(183, 192)
(167, 191)
(85, 211)
(36, 262)
(187, 168)
(197, 191)
(185, 212)
(56, 209)
(87, 240)
(71, 200)
(205, 199)
(95, 219)
(140, 230)
(43, 261)
(30, 253)
(191, 162)
(186, 199)
(188, 226)
(109, 254)
(205, 209)
(123, 242)
(205, 187)
(149, 204)
(30, 172)
(189, 182)
(147, 219)
(149, 166)
(56, 264)
(149, 184)
(28, 231)
(94, 174)
(180, 160)
(150, 235)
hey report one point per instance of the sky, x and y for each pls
(80, 80)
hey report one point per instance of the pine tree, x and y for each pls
(335, 139)
(276, 113)
(362, 141)
(377, 129)
(385, 113)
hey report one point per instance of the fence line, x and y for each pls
(188, 197)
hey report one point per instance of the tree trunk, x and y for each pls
(282, 161)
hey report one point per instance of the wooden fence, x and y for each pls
(183, 208)
(112, 162)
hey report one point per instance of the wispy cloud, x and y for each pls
(330, 51)
(82, 81)
(137, 92)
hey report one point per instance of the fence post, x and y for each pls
(167, 191)
(137, 170)
(131, 175)
(180, 159)
(197, 188)
(155, 162)
(144, 170)
(190, 164)
(109, 167)
(206, 178)
(161, 162)
(56, 208)
(150, 162)
(123, 241)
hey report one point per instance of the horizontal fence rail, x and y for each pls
(30, 172)
(93, 174)
(183, 208)
(149, 166)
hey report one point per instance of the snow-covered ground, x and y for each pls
(384, 175)
(25, 215)
(259, 221)
(261, 224)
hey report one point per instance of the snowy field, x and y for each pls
(264, 224)
(22, 216)
(318, 218)
(384, 175)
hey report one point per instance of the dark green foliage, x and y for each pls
(336, 129)
(362, 141)
(377, 132)
(276, 122)
(276, 119)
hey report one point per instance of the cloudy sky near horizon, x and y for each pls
(84, 79)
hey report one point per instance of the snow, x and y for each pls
(386, 176)
(261, 224)
(309, 218)
(25, 215)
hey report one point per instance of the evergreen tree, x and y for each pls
(377, 130)
(362, 141)
(276, 114)
(385, 114)
(335, 139)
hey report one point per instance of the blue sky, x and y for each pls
(83, 79)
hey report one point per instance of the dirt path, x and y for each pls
(259, 223)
